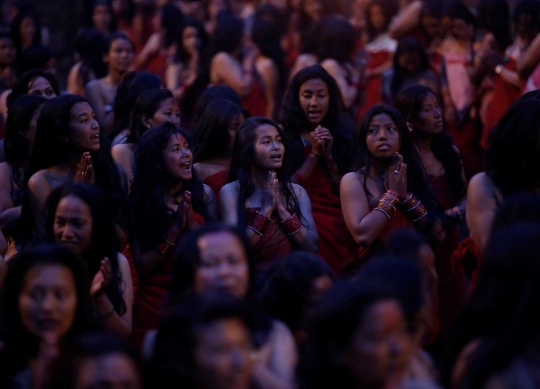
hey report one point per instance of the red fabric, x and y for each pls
(132, 269)
(450, 283)
(255, 101)
(273, 245)
(466, 139)
(466, 259)
(216, 181)
(151, 296)
(504, 96)
(373, 85)
(157, 64)
(396, 222)
(335, 242)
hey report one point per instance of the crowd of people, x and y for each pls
(272, 194)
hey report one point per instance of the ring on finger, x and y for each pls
(396, 171)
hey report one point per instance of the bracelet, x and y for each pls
(165, 247)
(414, 208)
(259, 223)
(315, 154)
(102, 316)
(292, 225)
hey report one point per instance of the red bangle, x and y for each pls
(292, 225)
(259, 223)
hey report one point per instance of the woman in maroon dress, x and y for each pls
(321, 154)
(444, 168)
(260, 197)
(166, 200)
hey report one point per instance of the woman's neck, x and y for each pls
(114, 77)
(423, 144)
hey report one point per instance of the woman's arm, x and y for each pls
(270, 76)
(406, 20)
(112, 321)
(364, 225)
(210, 200)
(38, 192)
(225, 69)
(348, 92)
(9, 215)
(277, 360)
(481, 209)
(527, 61)
(307, 238)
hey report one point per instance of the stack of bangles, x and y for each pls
(259, 223)
(412, 207)
(292, 225)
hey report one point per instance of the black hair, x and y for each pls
(17, 145)
(514, 148)
(92, 345)
(131, 86)
(458, 10)
(409, 103)
(294, 118)
(113, 26)
(26, 80)
(181, 55)
(501, 312)
(266, 35)
(494, 16)
(243, 156)
(174, 363)
(228, 34)
(520, 207)
(20, 344)
(117, 36)
(387, 12)
(33, 57)
(212, 132)
(331, 329)
(172, 21)
(16, 25)
(338, 39)
(215, 92)
(104, 239)
(285, 288)
(412, 46)
(150, 213)
(530, 8)
(146, 104)
(51, 148)
(91, 46)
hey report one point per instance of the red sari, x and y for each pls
(335, 241)
(216, 181)
(151, 296)
(273, 245)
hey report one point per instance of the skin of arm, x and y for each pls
(151, 47)
(97, 102)
(9, 215)
(270, 76)
(74, 85)
(348, 92)
(481, 209)
(225, 69)
(364, 226)
(278, 360)
(38, 191)
(120, 325)
(210, 200)
(527, 61)
(123, 156)
(406, 20)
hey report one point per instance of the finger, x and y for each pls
(403, 170)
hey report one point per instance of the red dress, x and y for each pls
(216, 181)
(151, 296)
(336, 245)
(273, 245)
(450, 283)
(255, 101)
(504, 95)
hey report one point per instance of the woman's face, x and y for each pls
(383, 138)
(178, 159)
(83, 127)
(8, 53)
(72, 226)
(108, 371)
(269, 148)
(223, 264)
(429, 119)
(215, 7)
(40, 86)
(190, 39)
(410, 62)
(120, 55)
(32, 125)
(461, 30)
(167, 111)
(27, 30)
(314, 100)
(48, 301)
(377, 18)
(381, 347)
(313, 8)
(101, 17)
(223, 355)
